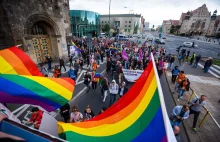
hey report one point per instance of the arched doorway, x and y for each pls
(42, 37)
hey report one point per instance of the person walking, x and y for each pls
(71, 73)
(184, 86)
(88, 113)
(208, 64)
(187, 54)
(122, 89)
(65, 112)
(180, 77)
(87, 80)
(120, 73)
(108, 66)
(71, 59)
(198, 57)
(171, 61)
(179, 113)
(192, 58)
(76, 67)
(49, 61)
(94, 66)
(105, 88)
(75, 115)
(175, 72)
(94, 81)
(196, 107)
(165, 67)
(113, 89)
(62, 64)
(56, 72)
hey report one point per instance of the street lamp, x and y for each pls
(109, 19)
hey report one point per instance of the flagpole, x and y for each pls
(169, 130)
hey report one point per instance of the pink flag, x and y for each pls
(140, 54)
(124, 55)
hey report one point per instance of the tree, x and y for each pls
(106, 28)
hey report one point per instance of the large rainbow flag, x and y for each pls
(140, 115)
(22, 82)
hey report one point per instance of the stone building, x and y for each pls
(41, 26)
(214, 25)
(195, 22)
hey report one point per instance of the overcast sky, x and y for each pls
(154, 11)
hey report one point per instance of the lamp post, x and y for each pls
(109, 19)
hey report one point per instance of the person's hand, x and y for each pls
(2, 116)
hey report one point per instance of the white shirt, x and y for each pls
(76, 116)
(113, 89)
(122, 90)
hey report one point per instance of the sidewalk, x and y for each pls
(210, 87)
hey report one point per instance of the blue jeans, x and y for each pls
(181, 92)
(195, 64)
(206, 69)
(176, 86)
(112, 99)
(49, 66)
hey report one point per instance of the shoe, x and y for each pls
(194, 129)
(181, 97)
(178, 100)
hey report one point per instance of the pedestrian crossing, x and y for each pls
(214, 70)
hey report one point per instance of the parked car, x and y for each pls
(164, 37)
(159, 41)
(143, 36)
(121, 38)
(189, 44)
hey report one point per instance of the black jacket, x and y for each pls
(125, 90)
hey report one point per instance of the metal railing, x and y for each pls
(206, 109)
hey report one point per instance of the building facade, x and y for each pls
(84, 22)
(195, 22)
(39, 26)
(125, 23)
(167, 25)
(213, 29)
(146, 26)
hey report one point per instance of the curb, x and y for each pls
(184, 127)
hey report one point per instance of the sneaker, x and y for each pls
(178, 100)
(194, 129)
(181, 97)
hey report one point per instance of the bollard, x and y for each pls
(190, 98)
(204, 118)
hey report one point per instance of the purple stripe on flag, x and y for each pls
(6, 98)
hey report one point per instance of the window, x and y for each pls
(125, 25)
(125, 21)
(125, 30)
(129, 26)
(129, 21)
(129, 30)
(105, 21)
(219, 29)
(102, 22)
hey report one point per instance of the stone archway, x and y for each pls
(41, 37)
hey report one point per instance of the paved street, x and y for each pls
(205, 49)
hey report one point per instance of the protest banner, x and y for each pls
(7, 112)
(132, 75)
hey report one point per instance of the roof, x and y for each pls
(175, 22)
(121, 15)
(183, 16)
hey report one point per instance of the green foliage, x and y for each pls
(106, 28)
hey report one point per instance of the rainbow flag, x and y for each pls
(97, 75)
(113, 48)
(76, 47)
(14, 61)
(22, 83)
(140, 115)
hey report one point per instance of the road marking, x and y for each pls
(80, 75)
(77, 95)
(23, 110)
(20, 108)
(80, 82)
(215, 70)
(216, 66)
(209, 71)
